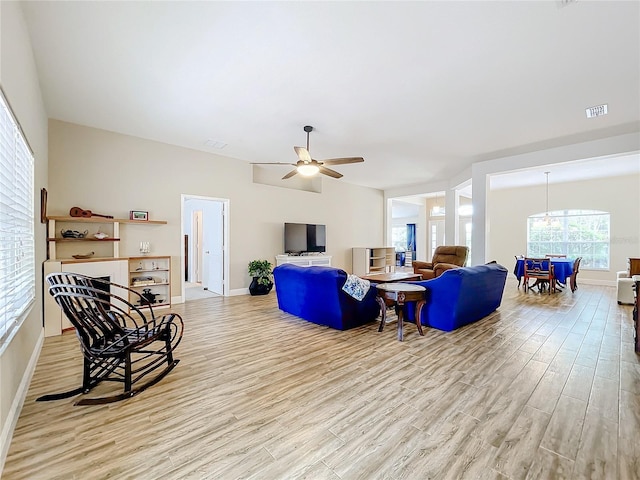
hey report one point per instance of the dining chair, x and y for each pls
(540, 270)
(573, 283)
(515, 268)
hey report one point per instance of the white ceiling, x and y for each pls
(420, 89)
(569, 172)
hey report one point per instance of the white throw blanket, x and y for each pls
(356, 287)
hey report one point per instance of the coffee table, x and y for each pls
(392, 277)
(397, 294)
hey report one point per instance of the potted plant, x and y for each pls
(260, 271)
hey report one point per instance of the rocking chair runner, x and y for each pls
(118, 340)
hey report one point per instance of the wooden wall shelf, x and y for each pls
(106, 220)
(86, 239)
(67, 245)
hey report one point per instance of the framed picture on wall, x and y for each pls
(139, 215)
(43, 205)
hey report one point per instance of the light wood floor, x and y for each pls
(195, 291)
(547, 387)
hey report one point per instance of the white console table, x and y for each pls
(304, 260)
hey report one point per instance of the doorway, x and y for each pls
(205, 231)
(436, 236)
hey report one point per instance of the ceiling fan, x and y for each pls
(308, 167)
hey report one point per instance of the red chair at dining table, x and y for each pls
(541, 270)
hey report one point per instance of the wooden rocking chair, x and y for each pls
(118, 340)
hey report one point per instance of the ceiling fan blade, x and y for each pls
(342, 161)
(303, 154)
(290, 174)
(328, 171)
(271, 163)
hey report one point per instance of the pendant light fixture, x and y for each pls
(437, 210)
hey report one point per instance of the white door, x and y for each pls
(196, 259)
(436, 235)
(213, 238)
(206, 221)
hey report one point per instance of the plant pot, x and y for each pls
(256, 288)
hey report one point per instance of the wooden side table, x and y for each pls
(397, 294)
(392, 277)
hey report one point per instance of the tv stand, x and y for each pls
(304, 260)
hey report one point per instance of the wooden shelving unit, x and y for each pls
(108, 226)
(367, 261)
(151, 274)
(106, 263)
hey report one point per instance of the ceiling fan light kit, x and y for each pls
(307, 166)
(307, 169)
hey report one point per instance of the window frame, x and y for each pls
(562, 225)
(17, 224)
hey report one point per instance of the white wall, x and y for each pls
(620, 196)
(111, 173)
(20, 84)
(482, 217)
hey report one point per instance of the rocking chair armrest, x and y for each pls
(153, 327)
(169, 317)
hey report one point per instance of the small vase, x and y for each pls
(256, 288)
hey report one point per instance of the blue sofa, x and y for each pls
(461, 296)
(315, 294)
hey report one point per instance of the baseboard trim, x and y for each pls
(18, 402)
(603, 283)
(175, 300)
(239, 291)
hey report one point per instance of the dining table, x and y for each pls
(563, 268)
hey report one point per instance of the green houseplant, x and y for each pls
(262, 275)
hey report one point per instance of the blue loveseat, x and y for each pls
(315, 294)
(461, 296)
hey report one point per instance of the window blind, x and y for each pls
(17, 249)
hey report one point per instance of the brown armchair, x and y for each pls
(445, 258)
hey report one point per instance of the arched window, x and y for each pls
(576, 233)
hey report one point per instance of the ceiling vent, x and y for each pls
(597, 111)
(217, 144)
(564, 3)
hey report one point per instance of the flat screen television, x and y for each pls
(304, 238)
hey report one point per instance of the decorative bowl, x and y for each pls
(73, 234)
(86, 255)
